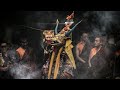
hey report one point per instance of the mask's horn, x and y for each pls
(56, 28)
(71, 30)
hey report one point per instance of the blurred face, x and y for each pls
(4, 47)
(24, 43)
(85, 36)
(111, 41)
(97, 42)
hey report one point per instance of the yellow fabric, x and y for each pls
(57, 65)
(51, 63)
(68, 50)
(68, 42)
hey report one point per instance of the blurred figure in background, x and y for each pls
(82, 54)
(5, 62)
(97, 60)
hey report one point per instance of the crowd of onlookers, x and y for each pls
(94, 60)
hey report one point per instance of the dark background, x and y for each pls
(11, 31)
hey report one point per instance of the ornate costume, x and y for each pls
(61, 60)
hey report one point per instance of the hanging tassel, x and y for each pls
(51, 64)
(57, 65)
(68, 50)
